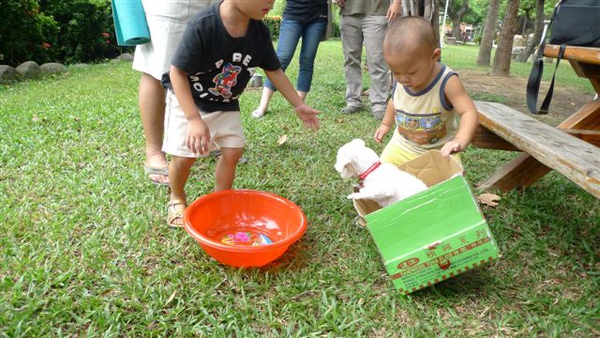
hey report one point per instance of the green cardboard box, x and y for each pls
(434, 235)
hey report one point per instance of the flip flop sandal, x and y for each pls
(159, 172)
(175, 215)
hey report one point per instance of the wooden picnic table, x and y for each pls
(572, 148)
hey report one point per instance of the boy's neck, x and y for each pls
(235, 21)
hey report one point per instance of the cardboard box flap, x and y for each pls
(432, 168)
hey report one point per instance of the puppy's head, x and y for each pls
(346, 157)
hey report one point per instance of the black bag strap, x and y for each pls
(546, 104)
(535, 77)
(533, 84)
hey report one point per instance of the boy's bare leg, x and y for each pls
(151, 100)
(179, 172)
(226, 166)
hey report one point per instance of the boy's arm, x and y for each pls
(198, 134)
(465, 108)
(387, 123)
(307, 114)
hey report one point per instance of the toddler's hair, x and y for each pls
(410, 29)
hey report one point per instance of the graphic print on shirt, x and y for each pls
(421, 128)
(225, 80)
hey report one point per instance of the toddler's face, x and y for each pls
(413, 70)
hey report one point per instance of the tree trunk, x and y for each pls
(457, 18)
(501, 66)
(435, 19)
(537, 32)
(487, 40)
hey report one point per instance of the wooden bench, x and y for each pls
(502, 127)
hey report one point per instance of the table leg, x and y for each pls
(525, 170)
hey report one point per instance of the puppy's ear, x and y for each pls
(349, 170)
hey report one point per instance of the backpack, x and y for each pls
(574, 23)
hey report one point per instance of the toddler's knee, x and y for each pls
(183, 161)
(232, 155)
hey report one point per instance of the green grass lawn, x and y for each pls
(85, 250)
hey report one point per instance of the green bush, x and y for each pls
(336, 30)
(274, 23)
(86, 30)
(21, 31)
(59, 31)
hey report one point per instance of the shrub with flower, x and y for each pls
(273, 22)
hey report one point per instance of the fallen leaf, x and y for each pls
(282, 140)
(489, 199)
(171, 298)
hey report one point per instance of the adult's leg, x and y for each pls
(265, 98)
(289, 35)
(374, 27)
(352, 45)
(151, 99)
(226, 166)
(302, 95)
(311, 38)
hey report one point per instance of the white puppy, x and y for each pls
(382, 182)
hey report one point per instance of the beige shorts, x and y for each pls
(166, 22)
(225, 129)
(397, 152)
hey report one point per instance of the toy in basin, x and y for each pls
(244, 228)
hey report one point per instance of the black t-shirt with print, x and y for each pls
(219, 66)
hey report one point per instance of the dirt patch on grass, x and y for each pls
(511, 91)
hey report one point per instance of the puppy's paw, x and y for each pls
(356, 196)
(352, 196)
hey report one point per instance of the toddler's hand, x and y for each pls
(198, 136)
(380, 133)
(308, 115)
(452, 147)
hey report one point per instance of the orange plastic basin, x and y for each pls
(244, 228)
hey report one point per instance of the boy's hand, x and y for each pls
(380, 133)
(198, 136)
(452, 147)
(308, 115)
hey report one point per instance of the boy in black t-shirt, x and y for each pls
(220, 50)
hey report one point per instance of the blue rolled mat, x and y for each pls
(130, 22)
